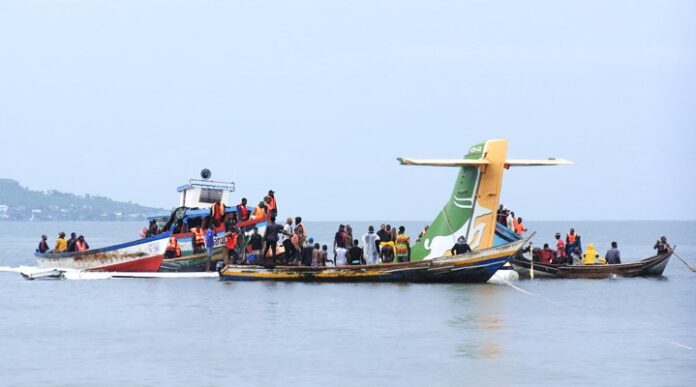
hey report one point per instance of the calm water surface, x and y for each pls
(205, 332)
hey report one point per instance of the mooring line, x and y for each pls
(527, 292)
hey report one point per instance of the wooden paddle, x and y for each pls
(680, 258)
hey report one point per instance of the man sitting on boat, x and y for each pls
(43, 245)
(662, 246)
(61, 243)
(81, 244)
(613, 255)
(461, 247)
(546, 255)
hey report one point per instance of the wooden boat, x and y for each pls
(649, 267)
(143, 255)
(476, 267)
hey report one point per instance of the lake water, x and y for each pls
(638, 332)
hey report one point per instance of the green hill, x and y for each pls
(20, 203)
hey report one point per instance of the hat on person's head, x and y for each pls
(461, 238)
(310, 240)
(558, 234)
(270, 191)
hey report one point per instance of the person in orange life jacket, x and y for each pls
(81, 244)
(173, 249)
(243, 213)
(209, 239)
(260, 211)
(272, 204)
(572, 241)
(231, 242)
(560, 249)
(43, 245)
(519, 227)
(546, 255)
(217, 212)
(197, 240)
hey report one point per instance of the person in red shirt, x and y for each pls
(546, 255)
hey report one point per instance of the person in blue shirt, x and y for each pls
(209, 244)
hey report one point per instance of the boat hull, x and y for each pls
(477, 267)
(144, 255)
(649, 267)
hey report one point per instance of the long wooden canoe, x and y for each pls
(476, 267)
(649, 267)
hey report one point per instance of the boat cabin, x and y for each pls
(204, 193)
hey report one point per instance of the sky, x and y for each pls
(316, 99)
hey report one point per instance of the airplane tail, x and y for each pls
(475, 196)
(471, 209)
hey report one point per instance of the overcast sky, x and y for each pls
(316, 99)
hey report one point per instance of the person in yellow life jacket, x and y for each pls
(217, 211)
(173, 249)
(591, 257)
(197, 240)
(81, 244)
(61, 243)
(519, 227)
(259, 211)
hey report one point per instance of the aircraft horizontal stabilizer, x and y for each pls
(480, 163)
(443, 163)
(536, 163)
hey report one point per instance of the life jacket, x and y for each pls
(198, 236)
(571, 238)
(271, 204)
(81, 245)
(218, 211)
(231, 240)
(173, 245)
(259, 213)
(243, 213)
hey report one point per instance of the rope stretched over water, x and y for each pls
(527, 292)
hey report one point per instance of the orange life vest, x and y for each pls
(198, 236)
(173, 245)
(572, 238)
(218, 211)
(243, 213)
(231, 241)
(271, 204)
(259, 213)
(81, 245)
